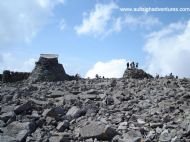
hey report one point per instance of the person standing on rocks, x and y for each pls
(137, 65)
(132, 65)
(171, 75)
(127, 65)
(157, 76)
(97, 76)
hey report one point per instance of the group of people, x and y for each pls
(170, 76)
(132, 65)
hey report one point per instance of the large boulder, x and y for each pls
(48, 69)
(55, 112)
(136, 74)
(133, 136)
(24, 107)
(62, 126)
(75, 112)
(97, 130)
(6, 116)
(17, 131)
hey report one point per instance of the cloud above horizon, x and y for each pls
(169, 50)
(111, 69)
(10, 62)
(96, 23)
(20, 21)
(102, 21)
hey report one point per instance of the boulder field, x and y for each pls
(95, 110)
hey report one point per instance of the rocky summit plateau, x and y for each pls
(48, 105)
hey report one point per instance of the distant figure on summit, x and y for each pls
(127, 65)
(137, 65)
(171, 75)
(133, 65)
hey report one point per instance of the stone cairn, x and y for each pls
(132, 71)
(48, 69)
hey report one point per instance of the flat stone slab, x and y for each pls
(97, 130)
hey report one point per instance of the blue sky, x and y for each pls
(95, 36)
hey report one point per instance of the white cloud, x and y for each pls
(48, 4)
(99, 21)
(111, 69)
(169, 50)
(21, 20)
(10, 62)
(28, 65)
(102, 21)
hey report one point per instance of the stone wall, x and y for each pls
(0, 77)
(9, 76)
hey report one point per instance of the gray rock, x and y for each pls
(30, 139)
(136, 74)
(117, 138)
(55, 139)
(158, 130)
(175, 139)
(54, 112)
(122, 126)
(2, 123)
(150, 136)
(74, 112)
(155, 125)
(37, 136)
(7, 98)
(6, 116)
(7, 139)
(97, 130)
(39, 102)
(19, 130)
(132, 136)
(62, 126)
(55, 94)
(24, 107)
(141, 121)
(165, 136)
(109, 100)
(60, 137)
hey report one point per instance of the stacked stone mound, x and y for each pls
(48, 69)
(136, 73)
